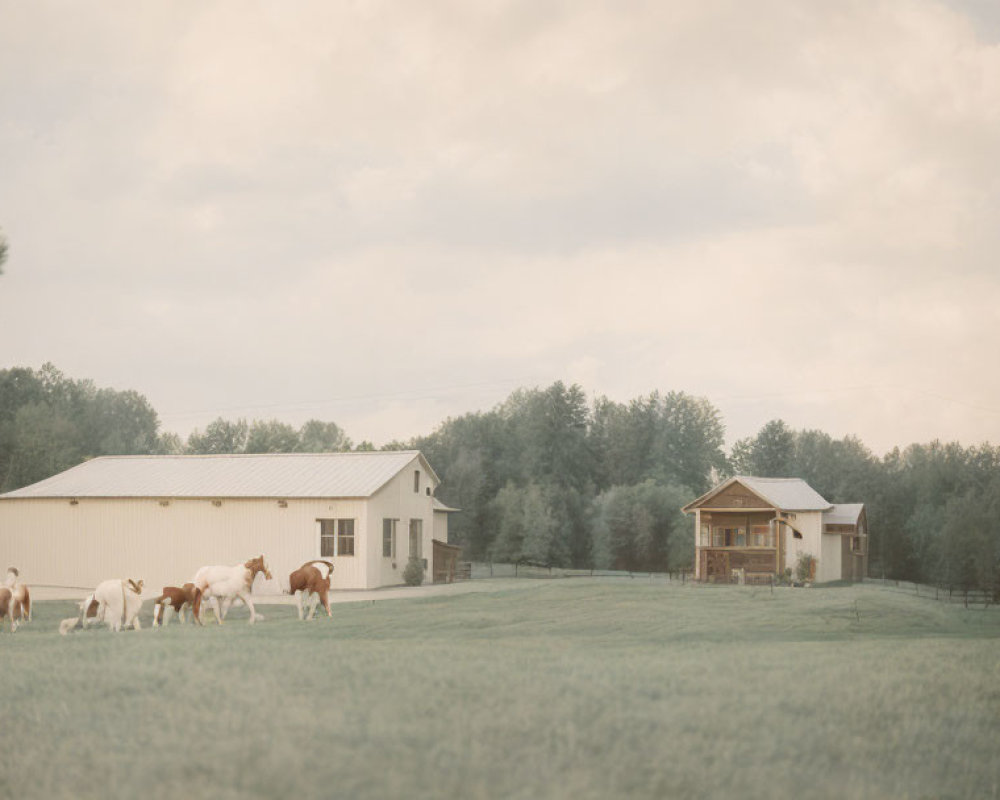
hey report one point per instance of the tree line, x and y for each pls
(552, 478)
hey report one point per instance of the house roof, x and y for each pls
(284, 475)
(786, 494)
(843, 514)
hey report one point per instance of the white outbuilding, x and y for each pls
(160, 518)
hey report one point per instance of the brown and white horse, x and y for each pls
(174, 598)
(21, 596)
(312, 582)
(228, 583)
(7, 607)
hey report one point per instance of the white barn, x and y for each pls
(159, 518)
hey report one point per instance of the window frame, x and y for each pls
(419, 530)
(345, 538)
(390, 532)
(327, 538)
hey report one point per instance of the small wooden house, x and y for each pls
(749, 529)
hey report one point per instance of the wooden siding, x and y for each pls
(735, 496)
(716, 564)
(445, 561)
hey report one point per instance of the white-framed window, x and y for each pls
(336, 537)
(416, 538)
(703, 540)
(416, 481)
(389, 537)
(327, 538)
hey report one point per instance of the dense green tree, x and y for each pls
(769, 454)
(641, 527)
(271, 436)
(220, 437)
(49, 422)
(323, 437)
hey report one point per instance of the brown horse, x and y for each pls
(176, 598)
(7, 604)
(227, 583)
(312, 580)
(22, 597)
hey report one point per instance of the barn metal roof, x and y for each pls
(786, 494)
(268, 475)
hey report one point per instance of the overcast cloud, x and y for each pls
(385, 214)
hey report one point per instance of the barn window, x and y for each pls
(416, 538)
(416, 480)
(389, 538)
(327, 528)
(345, 537)
(336, 537)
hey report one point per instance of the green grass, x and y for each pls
(570, 688)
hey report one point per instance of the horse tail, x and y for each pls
(196, 605)
(123, 607)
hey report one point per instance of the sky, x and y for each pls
(388, 214)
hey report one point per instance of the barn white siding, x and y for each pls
(398, 500)
(78, 540)
(55, 543)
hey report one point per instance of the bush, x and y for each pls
(413, 573)
(804, 568)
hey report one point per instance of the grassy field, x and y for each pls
(583, 688)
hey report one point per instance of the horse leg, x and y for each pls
(215, 608)
(227, 603)
(245, 597)
(324, 597)
(298, 601)
(313, 602)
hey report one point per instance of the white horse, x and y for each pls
(115, 602)
(228, 583)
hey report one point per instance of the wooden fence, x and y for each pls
(487, 569)
(946, 594)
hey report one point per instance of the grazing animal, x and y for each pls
(311, 581)
(87, 616)
(21, 595)
(228, 583)
(115, 602)
(176, 599)
(7, 607)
